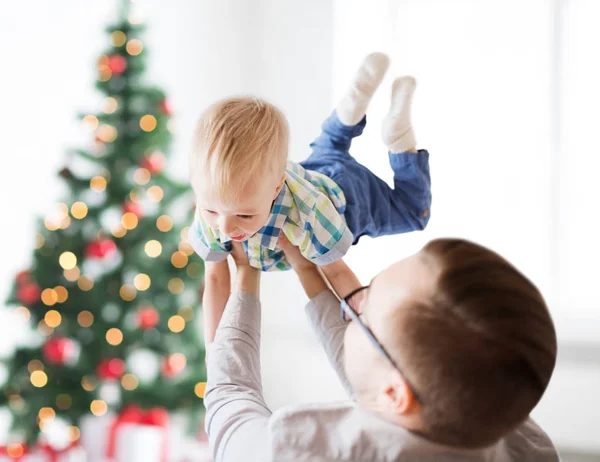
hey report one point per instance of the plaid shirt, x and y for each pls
(309, 210)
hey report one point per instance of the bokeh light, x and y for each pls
(176, 323)
(38, 379)
(148, 123)
(153, 248)
(114, 336)
(164, 223)
(85, 318)
(142, 282)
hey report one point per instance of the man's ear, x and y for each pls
(280, 185)
(399, 395)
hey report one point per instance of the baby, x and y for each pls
(248, 191)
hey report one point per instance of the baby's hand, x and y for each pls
(293, 255)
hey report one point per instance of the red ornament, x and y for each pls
(173, 365)
(22, 277)
(29, 293)
(132, 207)
(154, 163)
(165, 107)
(111, 369)
(101, 248)
(117, 64)
(60, 350)
(147, 317)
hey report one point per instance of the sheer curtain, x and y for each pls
(504, 104)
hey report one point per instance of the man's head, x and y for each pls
(237, 164)
(472, 337)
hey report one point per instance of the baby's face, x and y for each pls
(242, 217)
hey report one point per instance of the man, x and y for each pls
(445, 355)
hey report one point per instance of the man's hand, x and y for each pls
(293, 255)
(247, 278)
(239, 255)
(307, 272)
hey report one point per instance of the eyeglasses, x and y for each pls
(350, 306)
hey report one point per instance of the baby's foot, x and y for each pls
(353, 105)
(398, 134)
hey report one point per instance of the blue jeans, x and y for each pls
(372, 207)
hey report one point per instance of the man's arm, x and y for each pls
(323, 310)
(217, 289)
(236, 413)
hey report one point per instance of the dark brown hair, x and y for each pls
(482, 351)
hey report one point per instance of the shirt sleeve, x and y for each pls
(237, 417)
(206, 243)
(327, 237)
(323, 312)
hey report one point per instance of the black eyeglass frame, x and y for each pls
(347, 310)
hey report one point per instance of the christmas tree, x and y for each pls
(113, 287)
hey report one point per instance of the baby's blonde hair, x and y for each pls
(238, 141)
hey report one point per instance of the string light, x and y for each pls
(176, 323)
(39, 379)
(119, 232)
(176, 286)
(35, 365)
(16, 403)
(75, 433)
(148, 123)
(53, 319)
(179, 259)
(65, 223)
(194, 270)
(87, 384)
(15, 450)
(200, 389)
(39, 241)
(164, 223)
(114, 336)
(98, 183)
(44, 328)
(153, 248)
(129, 220)
(24, 312)
(177, 362)
(127, 292)
(184, 234)
(134, 47)
(186, 312)
(49, 297)
(110, 105)
(62, 294)
(91, 121)
(141, 176)
(107, 133)
(85, 283)
(50, 226)
(98, 407)
(67, 260)
(155, 193)
(79, 210)
(118, 38)
(142, 282)
(129, 382)
(72, 275)
(105, 74)
(46, 414)
(63, 401)
(85, 319)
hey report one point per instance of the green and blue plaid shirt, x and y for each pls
(309, 210)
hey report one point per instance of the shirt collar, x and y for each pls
(267, 236)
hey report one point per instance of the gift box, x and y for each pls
(134, 435)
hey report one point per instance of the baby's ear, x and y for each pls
(280, 185)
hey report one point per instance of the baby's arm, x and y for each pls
(341, 278)
(217, 289)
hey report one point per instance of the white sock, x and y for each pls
(353, 105)
(398, 134)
